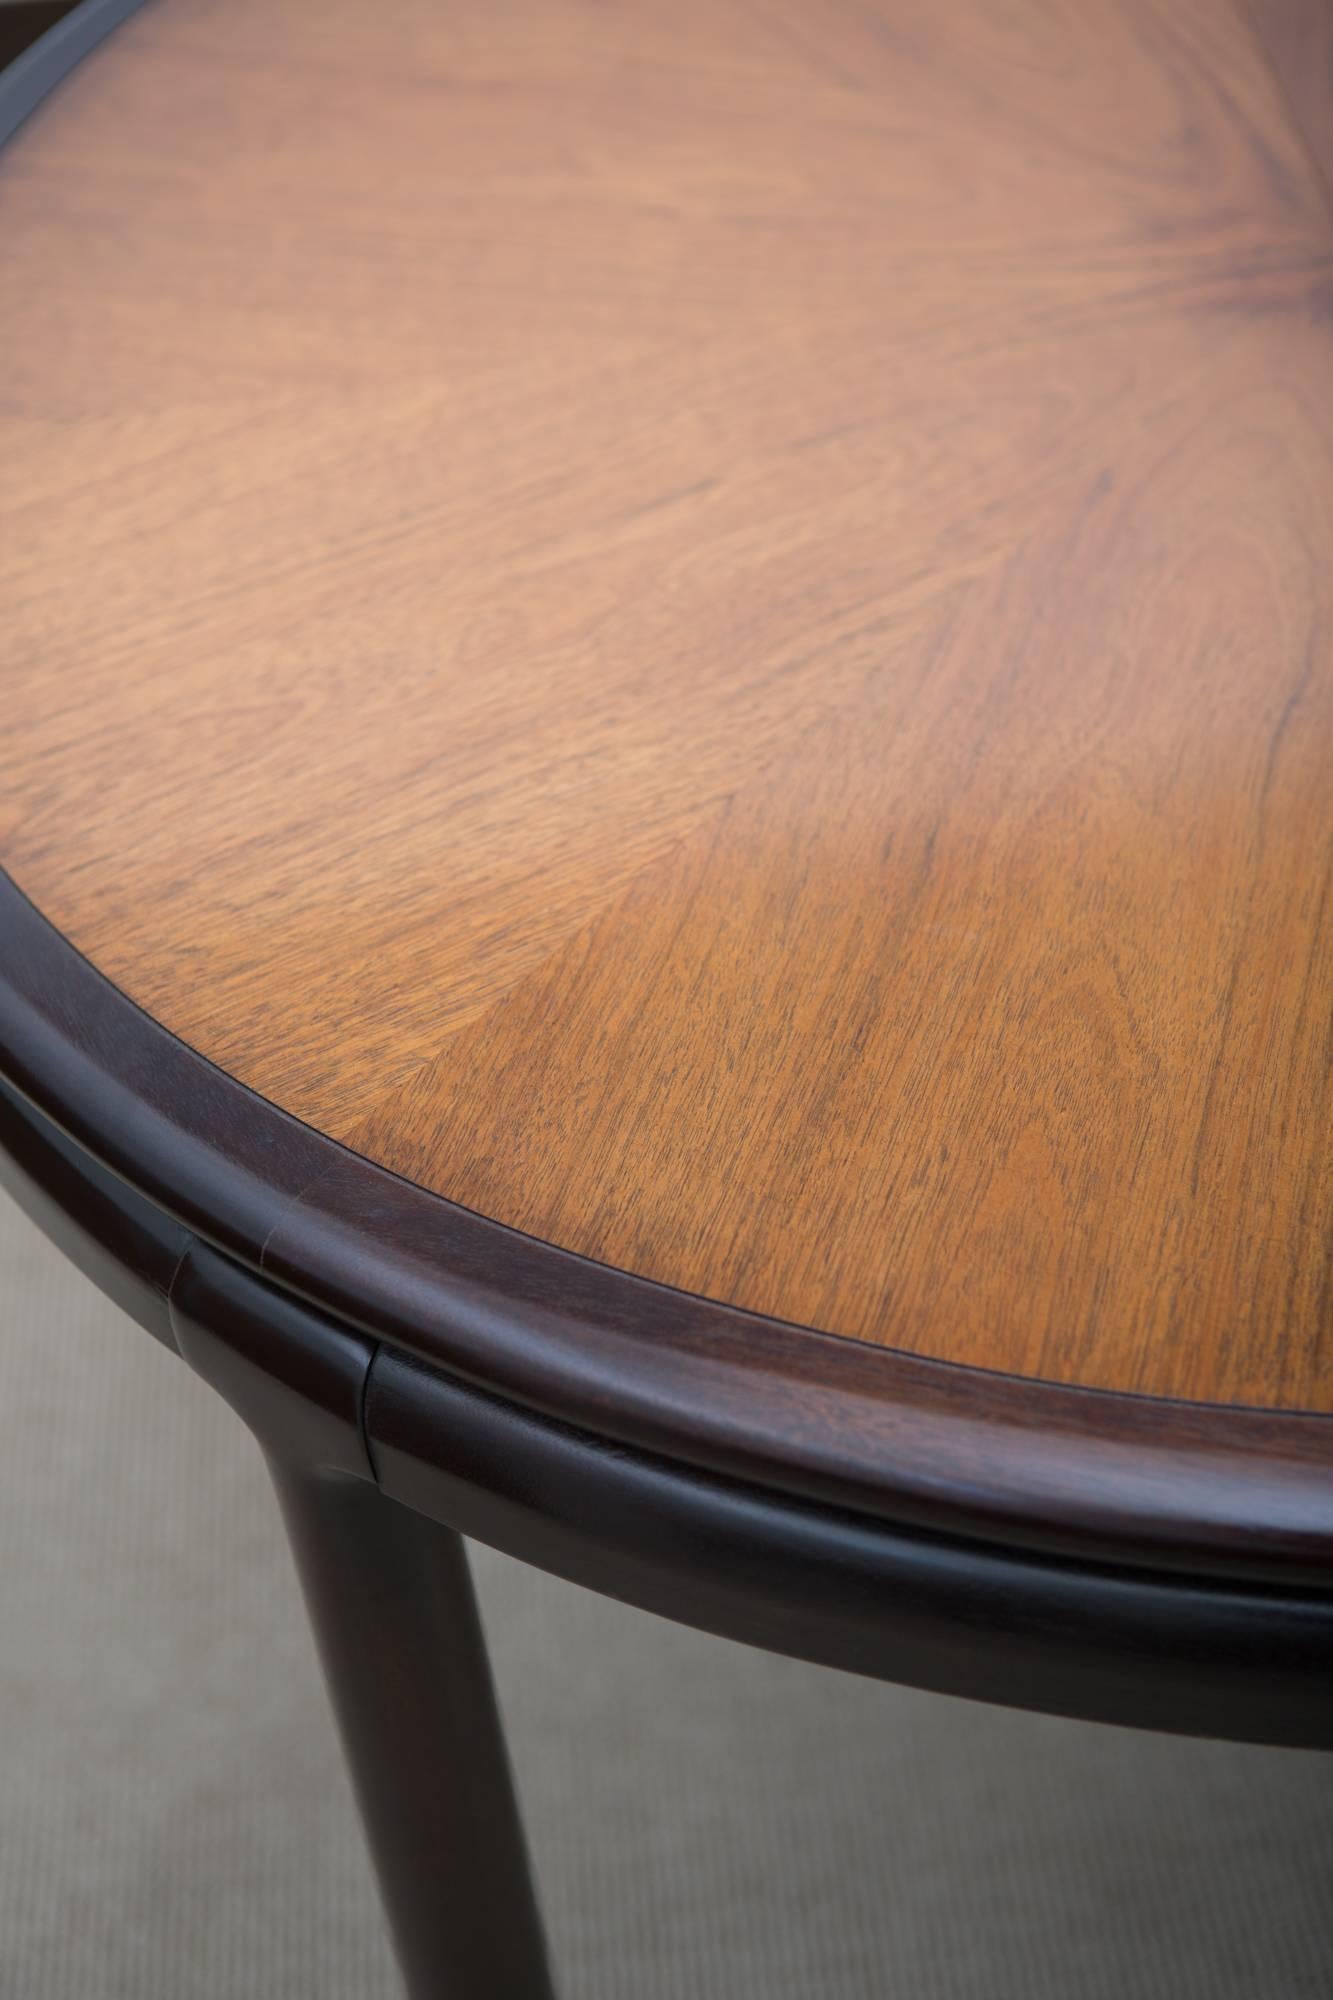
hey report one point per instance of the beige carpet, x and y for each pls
(174, 1823)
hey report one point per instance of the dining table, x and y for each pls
(666, 808)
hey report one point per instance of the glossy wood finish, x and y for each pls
(713, 638)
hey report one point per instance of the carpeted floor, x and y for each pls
(175, 1825)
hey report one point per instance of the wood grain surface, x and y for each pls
(710, 630)
(1297, 38)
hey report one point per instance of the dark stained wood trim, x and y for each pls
(67, 35)
(957, 1617)
(1182, 1488)
(1201, 1656)
(23, 22)
(128, 1248)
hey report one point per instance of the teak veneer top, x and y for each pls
(709, 629)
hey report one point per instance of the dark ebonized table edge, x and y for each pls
(1202, 1657)
(1193, 1490)
(50, 58)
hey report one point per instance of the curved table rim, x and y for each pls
(1135, 1644)
(1193, 1489)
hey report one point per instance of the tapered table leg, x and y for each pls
(391, 1600)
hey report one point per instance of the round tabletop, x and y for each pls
(704, 637)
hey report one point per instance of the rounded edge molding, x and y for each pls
(47, 61)
(1188, 1489)
(1118, 1645)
